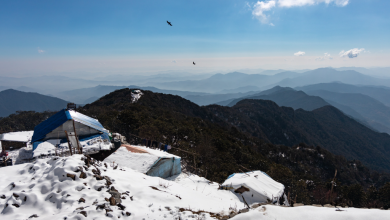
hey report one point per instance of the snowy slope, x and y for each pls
(44, 189)
(270, 212)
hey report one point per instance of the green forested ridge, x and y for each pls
(222, 149)
(326, 126)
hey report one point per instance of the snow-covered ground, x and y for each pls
(67, 188)
(270, 212)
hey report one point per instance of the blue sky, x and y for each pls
(63, 33)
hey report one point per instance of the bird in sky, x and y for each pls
(193, 63)
(169, 23)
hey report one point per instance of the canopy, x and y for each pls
(63, 118)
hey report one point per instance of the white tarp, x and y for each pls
(145, 159)
(21, 136)
(261, 186)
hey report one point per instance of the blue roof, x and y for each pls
(41, 130)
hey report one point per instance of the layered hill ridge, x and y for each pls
(12, 100)
(327, 127)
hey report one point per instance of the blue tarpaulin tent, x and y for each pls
(55, 126)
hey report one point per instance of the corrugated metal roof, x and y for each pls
(41, 130)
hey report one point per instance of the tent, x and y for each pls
(255, 187)
(15, 140)
(146, 160)
(53, 132)
(55, 126)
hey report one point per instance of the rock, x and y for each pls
(15, 195)
(225, 217)
(80, 208)
(244, 210)
(123, 197)
(115, 194)
(298, 204)
(34, 216)
(25, 198)
(2, 197)
(71, 176)
(84, 213)
(112, 200)
(128, 213)
(256, 205)
(232, 215)
(241, 190)
(82, 200)
(16, 205)
(98, 177)
(83, 175)
(101, 206)
(121, 207)
(100, 188)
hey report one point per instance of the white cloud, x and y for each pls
(40, 50)
(325, 57)
(351, 53)
(260, 7)
(298, 3)
(299, 53)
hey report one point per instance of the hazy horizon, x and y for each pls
(99, 38)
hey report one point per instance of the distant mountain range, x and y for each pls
(327, 75)
(362, 108)
(375, 112)
(379, 93)
(234, 80)
(237, 80)
(13, 100)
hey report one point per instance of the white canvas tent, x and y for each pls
(255, 187)
(146, 160)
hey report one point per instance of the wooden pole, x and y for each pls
(331, 190)
(67, 138)
(77, 139)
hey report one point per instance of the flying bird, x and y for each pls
(169, 23)
(193, 63)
